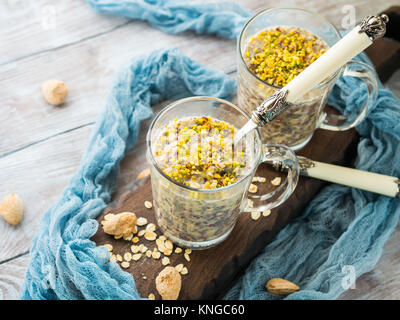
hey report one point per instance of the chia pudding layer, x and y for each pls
(272, 58)
(209, 179)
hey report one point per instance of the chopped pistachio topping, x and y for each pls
(278, 55)
(198, 152)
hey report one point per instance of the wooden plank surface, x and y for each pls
(33, 27)
(87, 67)
(45, 185)
(84, 49)
(12, 276)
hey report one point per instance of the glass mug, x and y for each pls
(201, 218)
(295, 127)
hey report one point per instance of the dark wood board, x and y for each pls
(212, 271)
(385, 53)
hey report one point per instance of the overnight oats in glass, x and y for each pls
(199, 181)
(274, 47)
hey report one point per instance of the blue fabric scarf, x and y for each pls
(341, 227)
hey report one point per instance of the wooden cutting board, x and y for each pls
(212, 272)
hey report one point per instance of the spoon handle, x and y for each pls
(360, 179)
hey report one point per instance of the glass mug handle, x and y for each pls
(275, 153)
(367, 75)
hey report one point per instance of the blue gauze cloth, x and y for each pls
(225, 19)
(341, 227)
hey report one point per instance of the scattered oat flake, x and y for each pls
(250, 203)
(188, 250)
(119, 257)
(152, 296)
(266, 213)
(276, 181)
(143, 174)
(168, 244)
(156, 255)
(128, 237)
(255, 215)
(125, 264)
(167, 252)
(136, 256)
(113, 258)
(255, 179)
(148, 204)
(151, 227)
(162, 237)
(141, 221)
(262, 179)
(141, 233)
(128, 256)
(179, 267)
(151, 236)
(184, 271)
(253, 188)
(143, 249)
(161, 248)
(144, 277)
(109, 247)
(135, 239)
(165, 261)
(178, 250)
(148, 253)
(135, 249)
(186, 255)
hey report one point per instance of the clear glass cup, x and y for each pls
(297, 124)
(201, 218)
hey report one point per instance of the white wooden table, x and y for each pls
(41, 145)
